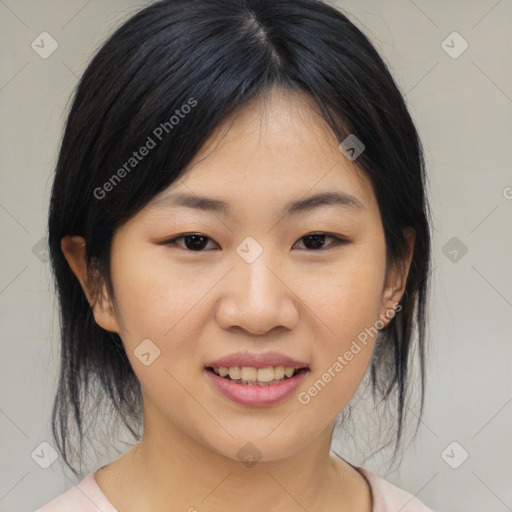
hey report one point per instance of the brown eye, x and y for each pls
(315, 241)
(192, 242)
(196, 242)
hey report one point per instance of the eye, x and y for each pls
(193, 241)
(314, 241)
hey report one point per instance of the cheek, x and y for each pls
(347, 296)
(346, 301)
(346, 304)
(156, 301)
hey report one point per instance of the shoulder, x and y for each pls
(85, 496)
(389, 498)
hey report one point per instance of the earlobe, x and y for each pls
(73, 248)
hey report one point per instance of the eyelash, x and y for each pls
(337, 241)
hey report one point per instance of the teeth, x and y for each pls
(249, 374)
(279, 372)
(264, 374)
(234, 372)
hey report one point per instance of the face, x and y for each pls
(307, 282)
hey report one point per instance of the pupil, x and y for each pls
(198, 242)
(316, 239)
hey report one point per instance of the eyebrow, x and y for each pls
(297, 207)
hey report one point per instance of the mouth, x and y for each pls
(256, 387)
(252, 376)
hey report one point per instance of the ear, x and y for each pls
(396, 279)
(73, 248)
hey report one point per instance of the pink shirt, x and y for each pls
(86, 496)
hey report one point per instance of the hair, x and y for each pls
(216, 56)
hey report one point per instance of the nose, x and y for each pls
(256, 297)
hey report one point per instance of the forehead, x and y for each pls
(276, 147)
(281, 126)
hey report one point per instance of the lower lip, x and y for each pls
(254, 395)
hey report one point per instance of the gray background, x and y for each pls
(462, 107)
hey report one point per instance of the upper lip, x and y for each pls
(255, 360)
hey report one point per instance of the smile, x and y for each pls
(245, 385)
(250, 375)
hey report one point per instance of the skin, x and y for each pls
(197, 306)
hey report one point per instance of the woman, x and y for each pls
(239, 234)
